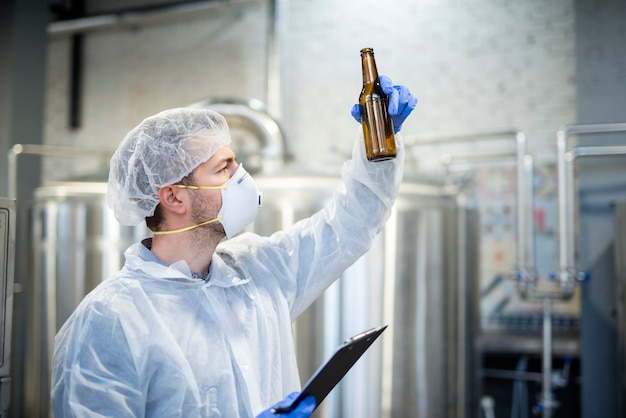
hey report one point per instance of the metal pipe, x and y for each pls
(528, 206)
(565, 159)
(132, 19)
(449, 159)
(593, 128)
(524, 163)
(45, 150)
(565, 224)
(522, 240)
(546, 397)
(412, 140)
(525, 248)
(76, 80)
(569, 252)
(512, 374)
(251, 114)
(597, 151)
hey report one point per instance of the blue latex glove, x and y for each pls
(304, 409)
(401, 103)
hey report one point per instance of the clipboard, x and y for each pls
(335, 368)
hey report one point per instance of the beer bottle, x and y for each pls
(377, 125)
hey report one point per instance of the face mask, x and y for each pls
(241, 201)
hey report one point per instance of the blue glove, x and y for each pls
(303, 410)
(401, 103)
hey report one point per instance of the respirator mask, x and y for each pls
(241, 201)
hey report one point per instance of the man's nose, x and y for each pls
(234, 169)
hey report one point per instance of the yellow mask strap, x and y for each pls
(188, 228)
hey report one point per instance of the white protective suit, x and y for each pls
(152, 341)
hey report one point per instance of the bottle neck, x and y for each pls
(368, 64)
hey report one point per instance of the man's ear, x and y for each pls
(173, 200)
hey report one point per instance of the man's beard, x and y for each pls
(203, 209)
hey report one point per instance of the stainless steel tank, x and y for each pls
(75, 243)
(419, 278)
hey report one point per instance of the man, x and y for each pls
(195, 325)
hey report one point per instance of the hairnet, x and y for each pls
(161, 150)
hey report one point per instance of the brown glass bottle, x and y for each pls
(377, 125)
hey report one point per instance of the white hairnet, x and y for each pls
(161, 150)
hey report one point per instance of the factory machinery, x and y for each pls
(555, 287)
(421, 276)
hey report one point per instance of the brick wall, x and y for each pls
(475, 66)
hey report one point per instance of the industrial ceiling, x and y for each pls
(74, 9)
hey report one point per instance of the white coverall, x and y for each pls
(152, 341)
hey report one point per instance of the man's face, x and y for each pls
(206, 204)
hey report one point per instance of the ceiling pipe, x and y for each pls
(132, 19)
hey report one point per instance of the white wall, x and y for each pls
(475, 66)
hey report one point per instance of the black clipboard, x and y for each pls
(335, 368)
